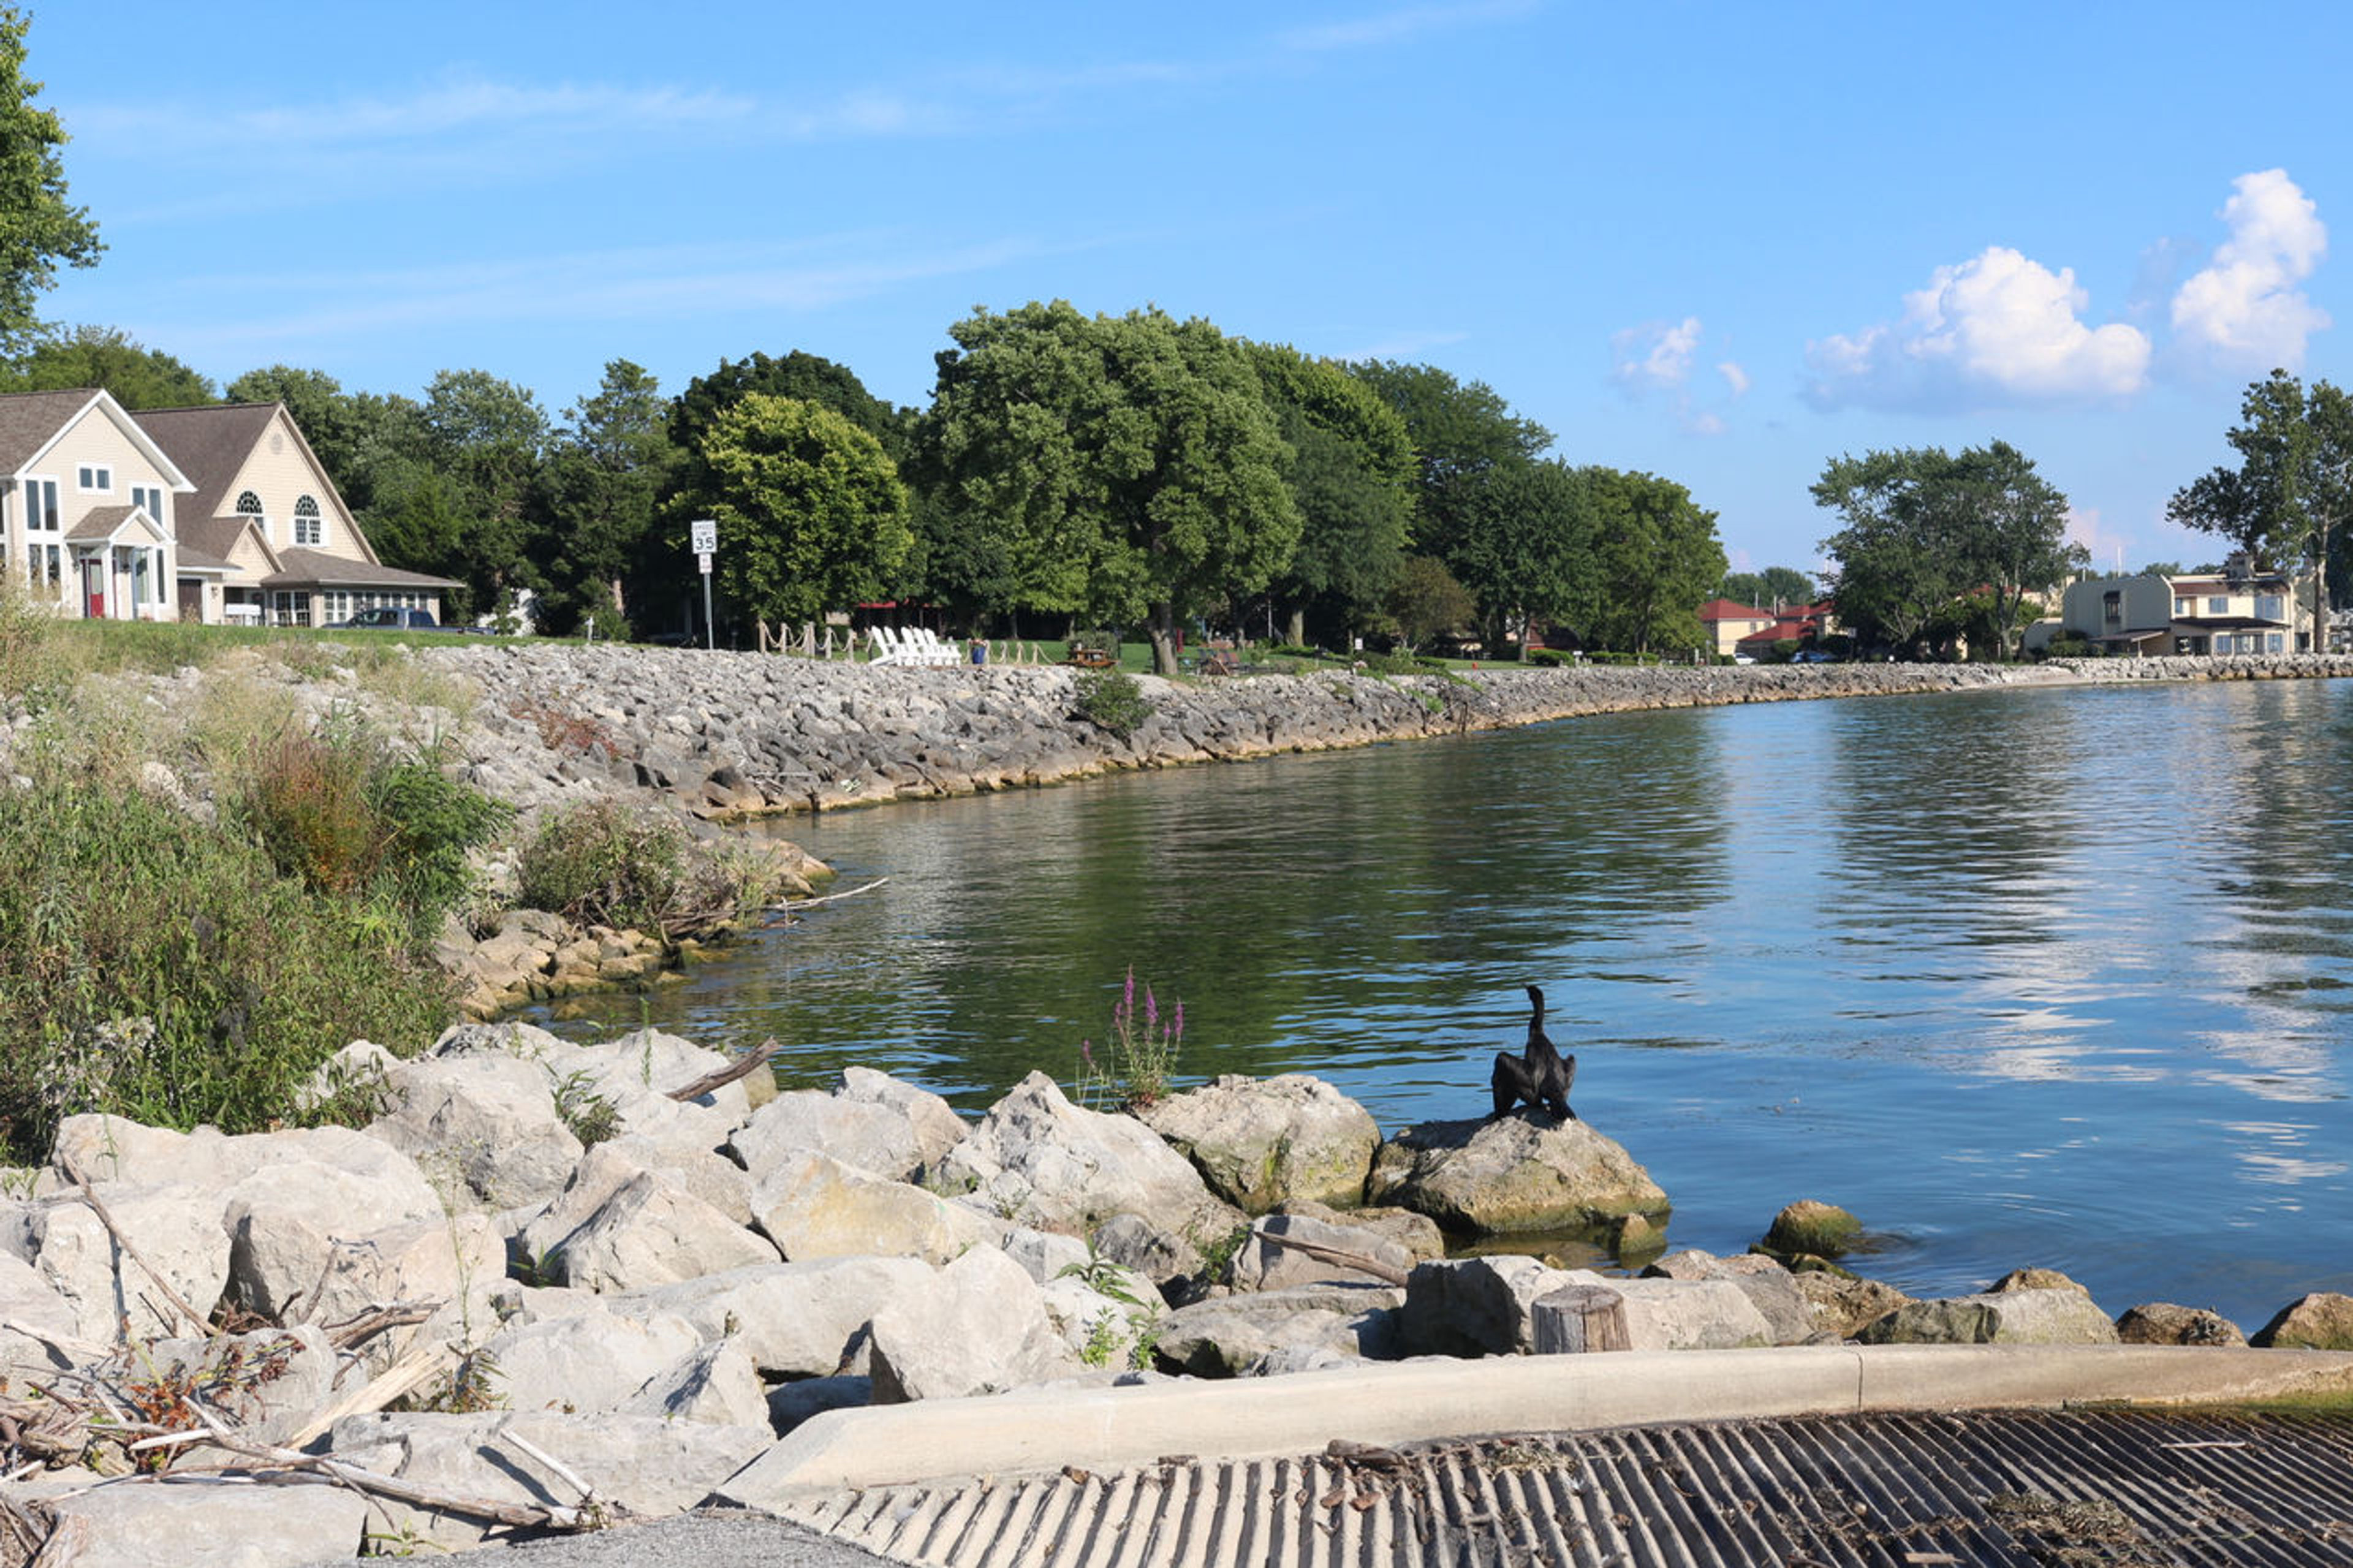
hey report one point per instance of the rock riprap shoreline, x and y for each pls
(732, 735)
(550, 1285)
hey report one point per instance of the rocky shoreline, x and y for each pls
(546, 1286)
(731, 736)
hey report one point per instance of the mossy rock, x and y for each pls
(1809, 1228)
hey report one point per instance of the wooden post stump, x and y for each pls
(1575, 1319)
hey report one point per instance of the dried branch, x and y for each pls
(743, 1066)
(798, 905)
(1357, 1260)
(365, 1326)
(89, 1196)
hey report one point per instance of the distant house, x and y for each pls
(266, 538)
(87, 506)
(199, 514)
(1726, 621)
(2236, 610)
(1806, 623)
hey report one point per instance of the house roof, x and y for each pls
(1732, 610)
(31, 423)
(215, 537)
(210, 444)
(306, 568)
(100, 523)
(28, 419)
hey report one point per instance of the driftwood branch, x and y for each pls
(1317, 1250)
(551, 1516)
(745, 1066)
(89, 1196)
(358, 1330)
(800, 904)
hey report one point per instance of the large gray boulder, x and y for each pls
(176, 1229)
(871, 1121)
(2322, 1321)
(268, 1384)
(710, 1178)
(1227, 1336)
(282, 1265)
(649, 1233)
(137, 1524)
(1477, 1306)
(2032, 1317)
(489, 1119)
(813, 1206)
(1041, 1161)
(1844, 1304)
(1262, 1141)
(1687, 1314)
(981, 1328)
(1772, 1289)
(714, 1384)
(646, 1465)
(1264, 1262)
(793, 1319)
(39, 1329)
(2165, 1323)
(1515, 1173)
(585, 1362)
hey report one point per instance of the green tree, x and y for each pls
(1426, 602)
(1460, 431)
(1351, 476)
(1128, 466)
(811, 514)
(1654, 555)
(39, 229)
(485, 437)
(1523, 546)
(595, 498)
(2293, 484)
(1937, 546)
(332, 422)
(137, 377)
(1781, 585)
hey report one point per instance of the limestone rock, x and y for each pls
(1416, 1232)
(714, 1384)
(871, 1121)
(268, 1384)
(710, 1179)
(2035, 1279)
(587, 1362)
(1515, 1173)
(1809, 1228)
(176, 1229)
(812, 1205)
(41, 1324)
(1264, 1263)
(128, 1524)
(2320, 1322)
(1845, 1305)
(648, 1465)
(1712, 1314)
(2028, 1317)
(793, 1319)
(490, 1118)
(647, 1233)
(1047, 1163)
(1262, 1141)
(1477, 1306)
(2163, 1323)
(981, 1328)
(1226, 1336)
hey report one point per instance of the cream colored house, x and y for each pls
(2238, 610)
(87, 506)
(265, 537)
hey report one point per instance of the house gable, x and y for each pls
(256, 450)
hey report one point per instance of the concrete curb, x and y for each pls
(1427, 1401)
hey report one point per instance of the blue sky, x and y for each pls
(1719, 243)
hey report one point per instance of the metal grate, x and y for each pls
(1886, 1491)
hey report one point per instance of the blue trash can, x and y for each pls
(979, 651)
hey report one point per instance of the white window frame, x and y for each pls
(2218, 603)
(312, 522)
(34, 486)
(150, 498)
(94, 479)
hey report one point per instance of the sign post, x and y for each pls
(702, 535)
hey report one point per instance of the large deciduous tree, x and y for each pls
(1655, 556)
(1522, 546)
(39, 228)
(1933, 539)
(2293, 487)
(595, 497)
(1461, 432)
(1129, 467)
(811, 514)
(1351, 474)
(136, 375)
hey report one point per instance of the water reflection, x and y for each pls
(2022, 976)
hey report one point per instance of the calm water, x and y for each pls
(2028, 977)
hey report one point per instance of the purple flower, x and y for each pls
(1150, 1011)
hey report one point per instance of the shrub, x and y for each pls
(163, 970)
(600, 863)
(1112, 700)
(1138, 1062)
(1550, 657)
(339, 810)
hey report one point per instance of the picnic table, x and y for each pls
(1091, 657)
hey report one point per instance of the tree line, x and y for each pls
(1135, 471)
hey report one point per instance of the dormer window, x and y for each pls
(310, 528)
(95, 478)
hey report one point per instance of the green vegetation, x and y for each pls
(601, 863)
(39, 229)
(1111, 699)
(1139, 1057)
(2293, 487)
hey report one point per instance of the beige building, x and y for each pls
(201, 514)
(265, 537)
(2237, 610)
(87, 506)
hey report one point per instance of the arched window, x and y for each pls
(248, 504)
(310, 528)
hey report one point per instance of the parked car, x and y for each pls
(1812, 656)
(388, 617)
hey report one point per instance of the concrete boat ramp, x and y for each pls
(1834, 1455)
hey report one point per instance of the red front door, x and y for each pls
(93, 588)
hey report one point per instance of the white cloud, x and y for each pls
(1998, 328)
(2243, 310)
(1735, 377)
(1394, 26)
(1656, 354)
(2106, 546)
